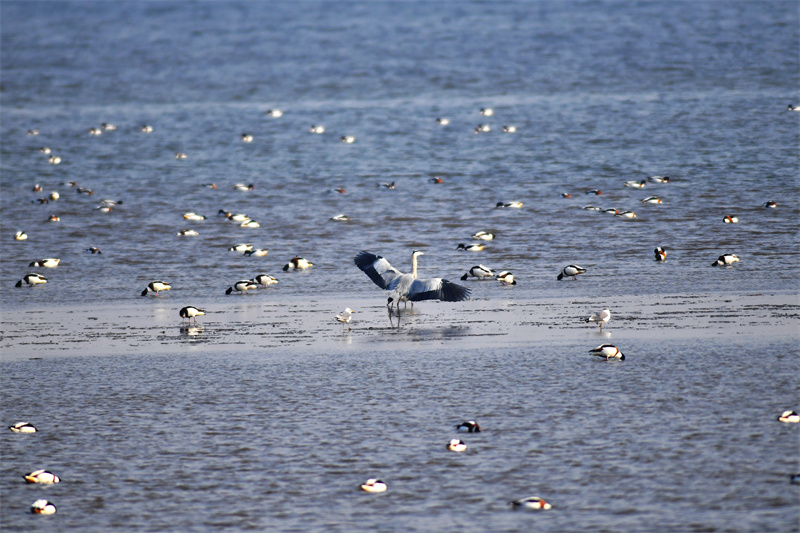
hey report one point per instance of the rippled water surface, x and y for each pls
(278, 434)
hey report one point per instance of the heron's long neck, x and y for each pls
(414, 266)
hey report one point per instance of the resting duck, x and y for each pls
(468, 426)
(50, 262)
(478, 271)
(256, 252)
(456, 445)
(512, 205)
(636, 184)
(41, 476)
(443, 121)
(789, 417)
(373, 485)
(731, 219)
(247, 138)
(297, 263)
(43, 507)
(483, 236)
(470, 247)
(23, 427)
(274, 113)
(194, 216)
(533, 503)
(609, 351)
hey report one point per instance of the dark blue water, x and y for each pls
(601, 93)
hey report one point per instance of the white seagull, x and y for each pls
(600, 318)
(406, 287)
(344, 317)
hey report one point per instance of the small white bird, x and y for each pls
(468, 426)
(20, 236)
(243, 187)
(636, 184)
(470, 247)
(726, 260)
(242, 247)
(660, 253)
(509, 129)
(373, 485)
(600, 318)
(347, 139)
(479, 271)
(317, 129)
(191, 312)
(512, 205)
(43, 507)
(50, 262)
(247, 138)
(731, 219)
(533, 503)
(506, 278)
(41, 476)
(340, 218)
(23, 427)
(156, 287)
(487, 111)
(789, 417)
(609, 351)
(456, 445)
(256, 252)
(443, 121)
(265, 280)
(344, 317)
(242, 286)
(483, 236)
(194, 216)
(297, 263)
(571, 270)
(32, 280)
(187, 233)
(274, 113)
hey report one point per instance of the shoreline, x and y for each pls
(307, 325)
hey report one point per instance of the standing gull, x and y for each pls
(600, 318)
(344, 317)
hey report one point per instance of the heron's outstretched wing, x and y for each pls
(437, 289)
(378, 269)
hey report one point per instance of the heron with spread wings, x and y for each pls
(406, 287)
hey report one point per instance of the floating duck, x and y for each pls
(731, 219)
(242, 286)
(443, 121)
(659, 179)
(626, 214)
(37, 188)
(22, 427)
(191, 312)
(566, 195)
(297, 263)
(470, 247)
(609, 351)
(794, 107)
(41, 476)
(436, 179)
(596, 192)
(789, 417)
(108, 127)
(50, 262)
(54, 160)
(249, 224)
(32, 280)
(772, 205)
(40, 201)
(725, 260)
(506, 278)
(104, 208)
(340, 218)
(571, 270)
(317, 129)
(600, 318)
(511, 205)
(20, 236)
(188, 233)
(181, 155)
(33, 132)
(95, 131)
(45, 150)
(479, 271)
(532, 503)
(636, 184)
(84, 190)
(456, 445)
(344, 317)
(487, 111)
(146, 129)
(194, 216)
(483, 236)
(591, 208)
(611, 211)
(265, 280)
(54, 196)
(483, 128)
(468, 426)
(156, 287)
(241, 247)
(238, 217)
(243, 187)
(347, 139)
(509, 129)
(340, 190)
(661, 253)
(93, 250)
(373, 485)
(390, 186)
(43, 507)
(247, 138)
(274, 113)
(651, 200)
(209, 185)
(111, 203)
(256, 252)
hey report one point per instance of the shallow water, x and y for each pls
(265, 415)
